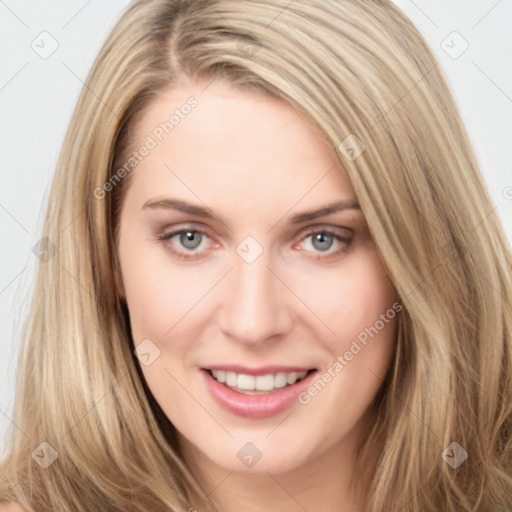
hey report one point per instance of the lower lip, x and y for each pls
(256, 406)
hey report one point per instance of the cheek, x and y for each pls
(354, 300)
(158, 294)
(358, 307)
(159, 297)
(367, 331)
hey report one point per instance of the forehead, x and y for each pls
(222, 139)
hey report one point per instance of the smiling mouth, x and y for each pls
(258, 384)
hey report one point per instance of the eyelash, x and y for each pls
(192, 255)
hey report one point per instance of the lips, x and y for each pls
(262, 392)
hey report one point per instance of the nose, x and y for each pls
(256, 305)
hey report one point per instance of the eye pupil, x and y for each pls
(322, 238)
(187, 239)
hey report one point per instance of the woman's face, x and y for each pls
(234, 259)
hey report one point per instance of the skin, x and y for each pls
(255, 162)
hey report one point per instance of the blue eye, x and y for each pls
(187, 243)
(190, 239)
(323, 240)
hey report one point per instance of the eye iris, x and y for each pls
(187, 239)
(321, 238)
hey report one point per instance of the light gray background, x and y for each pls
(37, 96)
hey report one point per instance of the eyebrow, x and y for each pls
(199, 211)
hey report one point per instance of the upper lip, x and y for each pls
(261, 370)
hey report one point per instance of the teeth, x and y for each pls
(267, 382)
(231, 379)
(264, 383)
(291, 377)
(280, 380)
(245, 381)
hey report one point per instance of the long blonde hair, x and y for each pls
(357, 69)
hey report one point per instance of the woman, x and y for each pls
(279, 281)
